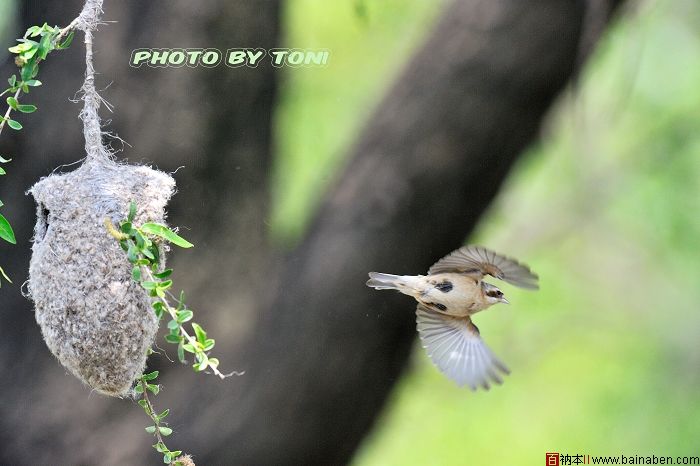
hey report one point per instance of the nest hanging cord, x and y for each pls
(87, 21)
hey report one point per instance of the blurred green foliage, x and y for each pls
(7, 15)
(321, 110)
(605, 208)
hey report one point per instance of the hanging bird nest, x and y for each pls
(94, 318)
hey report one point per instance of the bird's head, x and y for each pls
(492, 294)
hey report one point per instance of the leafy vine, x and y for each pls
(142, 246)
(33, 48)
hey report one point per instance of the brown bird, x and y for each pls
(447, 297)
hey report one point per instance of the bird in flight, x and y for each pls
(448, 296)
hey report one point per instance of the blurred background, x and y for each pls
(604, 206)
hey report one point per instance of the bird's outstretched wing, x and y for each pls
(455, 347)
(479, 261)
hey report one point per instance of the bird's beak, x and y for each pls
(505, 301)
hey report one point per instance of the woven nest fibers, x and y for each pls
(94, 318)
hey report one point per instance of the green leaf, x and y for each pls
(164, 414)
(151, 429)
(156, 251)
(136, 273)
(149, 376)
(180, 352)
(4, 275)
(12, 80)
(16, 125)
(2, 160)
(148, 253)
(12, 102)
(2, 172)
(159, 309)
(33, 83)
(138, 388)
(166, 285)
(125, 227)
(132, 212)
(164, 274)
(27, 72)
(141, 240)
(153, 388)
(132, 254)
(173, 338)
(166, 233)
(208, 345)
(189, 348)
(184, 316)
(167, 458)
(31, 43)
(6, 232)
(19, 48)
(29, 54)
(32, 31)
(44, 46)
(27, 108)
(213, 363)
(66, 43)
(173, 324)
(202, 365)
(165, 430)
(199, 331)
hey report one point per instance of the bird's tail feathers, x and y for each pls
(385, 281)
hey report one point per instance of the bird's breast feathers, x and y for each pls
(452, 293)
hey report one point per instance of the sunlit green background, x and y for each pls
(606, 208)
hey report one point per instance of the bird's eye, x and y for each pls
(446, 286)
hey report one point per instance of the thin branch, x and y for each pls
(151, 411)
(146, 272)
(7, 113)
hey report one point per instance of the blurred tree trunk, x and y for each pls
(325, 350)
